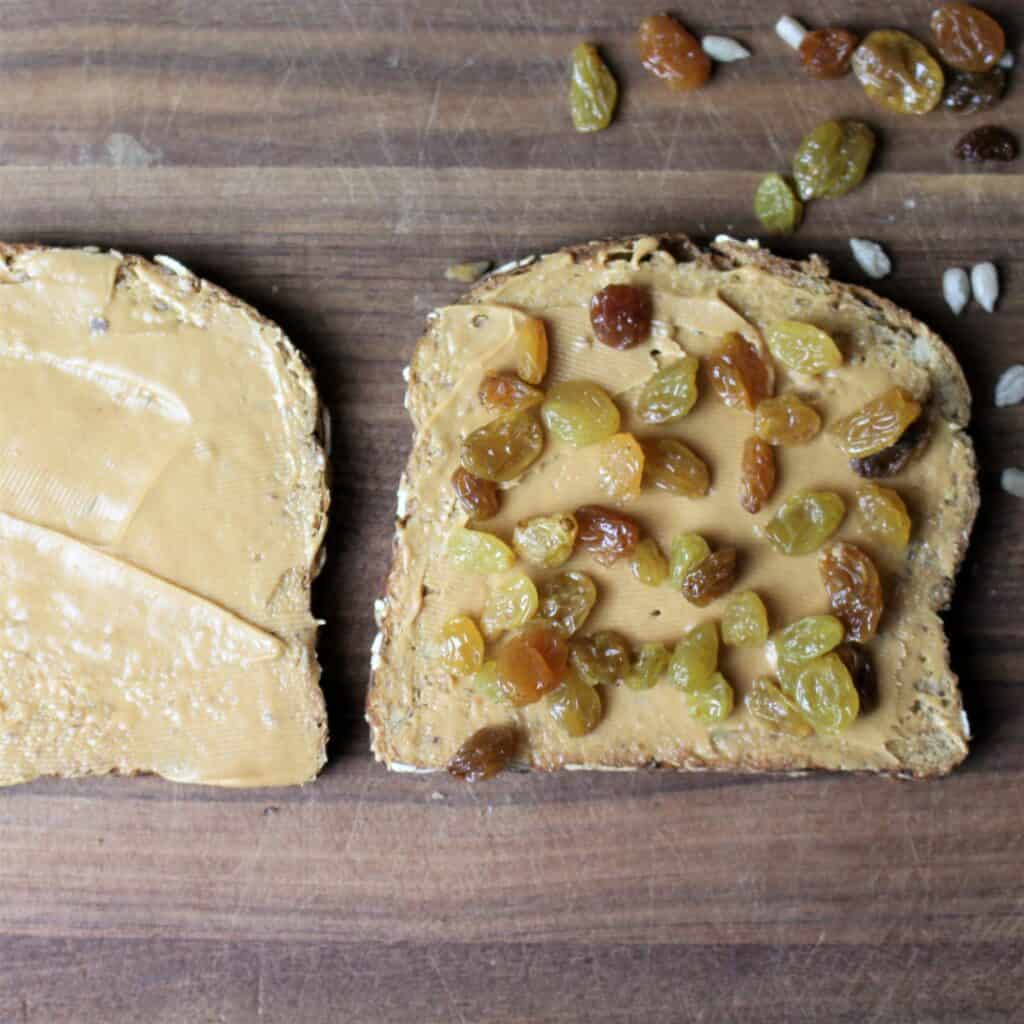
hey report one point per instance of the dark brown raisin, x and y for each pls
(621, 315)
(989, 142)
(862, 672)
(485, 753)
(894, 459)
(608, 535)
(970, 92)
(478, 497)
(712, 577)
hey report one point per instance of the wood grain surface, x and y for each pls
(327, 160)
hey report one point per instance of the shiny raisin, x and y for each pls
(825, 693)
(966, 38)
(580, 413)
(802, 347)
(876, 425)
(485, 683)
(486, 753)
(713, 702)
(786, 420)
(826, 52)
(566, 601)
(862, 672)
(687, 552)
(504, 392)
(898, 73)
(894, 459)
(649, 668)
(739, 374)
(757, 474)
(461, 646)
(532, 350)
(648, 564)
(478, 551)
(545, 541)
(773, 710)
(745, 621)
(477, 496)
(833, 159)
(808, 638)
(672, 54)
(805, 521)
(669, 465)
(575, 706)
(670, 393)
(970, 93)
(601, 658)
(883, 515)
(504, 448)
(854, 589)
(620, 315)
(620, 471)
(777, 206)
(711, 578)
(606, 534)
(510, 602)
(986, 143)
(593, 91)
(695, 658)
(531, 663)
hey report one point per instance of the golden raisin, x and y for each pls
(510, 603)
(713, 702)
(877, 425)
(777, 206)
(711, 578)
(566, 600)
(854, 589)
(687, 552)
(898, 73)
(485, 683)
(802, 347)
(966, 38)
(531, 663)
(580, 412)
(593, 91)
(808, 638)
(669, 465)
(532, 350)
(773, 710)
(757, 474)
(832, 159)
(620, 315)
(477, 551)
(786, 420)
(575, 706)
(883, 515)
(826, 52)
(504, 448)
(648, 564)
(650, 667)
(739, 374)
(695, 658)
(461, 646)
(601, 658)
(478, 497)
(606, 534)
(825, 693)
(486, 753)
(745, 621)
(505, 392)
(545, 541)
(670, 393)
(620, 470)
(805, 521)
(672, 54)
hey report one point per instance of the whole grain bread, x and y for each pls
(410, 704)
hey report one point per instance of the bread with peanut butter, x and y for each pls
(162, 509)
(711, 527)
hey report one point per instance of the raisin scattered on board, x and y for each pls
(826, 52)
(966, 38)
(672, 54)
(986, 143)
(486, 753)
(970, 92)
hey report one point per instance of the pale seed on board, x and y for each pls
(790, 31)
(956, 289)
(723, 49)
(1010, 387)
(1013, 481)
(870, 257)
(985, 285)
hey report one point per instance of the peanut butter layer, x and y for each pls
(161, 505)
(420, 716)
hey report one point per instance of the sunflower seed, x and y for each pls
(1007, 61)
(790, 31)
(956, 289)
(985, 285)
(723, 49)
(870, 257)
(1013, 481)
(1010, 386)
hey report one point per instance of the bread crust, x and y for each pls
(932, 736)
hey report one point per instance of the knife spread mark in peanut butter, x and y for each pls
(161, 506)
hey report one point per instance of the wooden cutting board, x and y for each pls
(327, 161)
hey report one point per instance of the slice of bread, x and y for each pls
(163, 503)
(419, 715)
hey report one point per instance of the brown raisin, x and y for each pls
(672, 54)
(854, 589)
(757, 474)
(713, 577)
(504, 392)
(966, 38)
(606, 534)
(739, 375)
(621, 315)
(894, 459)
(862, 672)
(970, 92)
(477, 496)
(826, 52)
(485, 753)
(669, 465)
(987, 143)
(531, 663)
(786, 420)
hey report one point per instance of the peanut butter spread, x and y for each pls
(420, 715)
(161, 505)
